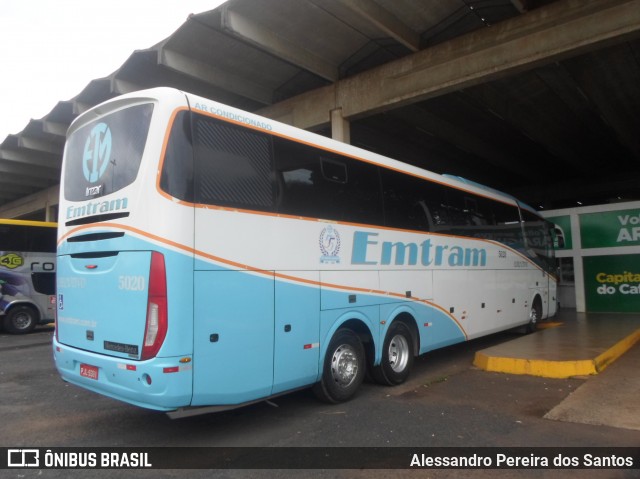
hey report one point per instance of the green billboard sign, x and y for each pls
(612, 283)
(610, 229)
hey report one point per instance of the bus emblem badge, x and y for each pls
(329, 245)
(97, 151)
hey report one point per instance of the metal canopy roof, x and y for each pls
(560, 128)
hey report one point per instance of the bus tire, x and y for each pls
(535, 315)
(343, 369)
(397, 356)
(20, 320)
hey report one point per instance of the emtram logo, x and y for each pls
(329, 245)
(97, 151)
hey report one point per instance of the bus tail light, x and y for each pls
(156, 325)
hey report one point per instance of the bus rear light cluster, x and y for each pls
(157, 323)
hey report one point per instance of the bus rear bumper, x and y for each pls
(163, 384)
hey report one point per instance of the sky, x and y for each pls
(51, 49)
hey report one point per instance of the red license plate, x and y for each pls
(89, 371)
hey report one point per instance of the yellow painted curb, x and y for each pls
(556, 369)
(613, 353)
(547, 325)
(534, 367)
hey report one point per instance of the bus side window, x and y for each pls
(177, 167)
(316, 184)
(301, 189)
(419, 217)
(538, 240)
(362, 196)
(412, 203)
(233, 165)
(507, 228)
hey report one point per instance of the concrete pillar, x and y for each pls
(340, 128)
(50, 213)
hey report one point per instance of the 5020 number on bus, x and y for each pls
(131, 283)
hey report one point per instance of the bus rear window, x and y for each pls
(103, 156)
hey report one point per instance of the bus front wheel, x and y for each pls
(20, 320)
(397, 356)
(344, 368)
(535, 315)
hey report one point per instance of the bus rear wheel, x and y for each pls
(397, 356)
(20, 320)
(344, 368)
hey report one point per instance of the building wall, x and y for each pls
(599, 257)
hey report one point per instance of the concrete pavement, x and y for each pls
(581, 344)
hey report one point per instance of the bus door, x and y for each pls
(538, 235)
(552, 271)
(545, 258)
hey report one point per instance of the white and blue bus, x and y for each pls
(27, 274)
(209, 258)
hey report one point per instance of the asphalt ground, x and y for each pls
(446, 402)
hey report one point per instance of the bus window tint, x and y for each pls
(412, 203)
(507, 228)
(233, 165)
(314, 183)
(537, 234)
(177, 167)
(104, 156)
(303, 188)
(479, 217)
